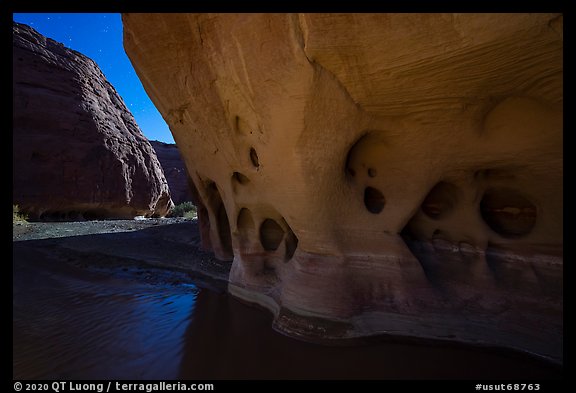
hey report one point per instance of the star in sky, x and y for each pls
(99, 36)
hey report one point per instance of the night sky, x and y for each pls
(99, 36)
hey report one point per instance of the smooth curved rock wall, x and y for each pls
(374, 173)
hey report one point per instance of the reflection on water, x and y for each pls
(73, 327)
(71, 323)
(229, 340)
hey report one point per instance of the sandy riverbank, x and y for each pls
(172, 244)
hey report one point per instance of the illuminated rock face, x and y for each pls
(77, 150)
(374, 173)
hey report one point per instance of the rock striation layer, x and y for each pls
(374, 173)
(174, 170)
(77, 150)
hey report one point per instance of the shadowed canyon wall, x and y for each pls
(374, 173)
(174, 170)
(77, 150)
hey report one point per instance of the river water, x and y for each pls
(119, 323)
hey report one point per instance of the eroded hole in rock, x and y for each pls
(291, 243)
(373, 200)
(363, 154)
(440, 200)
(224, 229)
(204, 224)
(245, 228)
(216, 206)
(507, 212)
(271, 234)
(212, 187)
(240, 178)
(202, 212)
(254, 157)
(245, 221)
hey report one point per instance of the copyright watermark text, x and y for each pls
(508, 386)
(101, 387)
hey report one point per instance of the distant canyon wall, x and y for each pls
(374, 173)
(77, 150)
(174, 170)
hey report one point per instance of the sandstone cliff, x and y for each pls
(174, 170)
(77, 150)
(374, 173)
